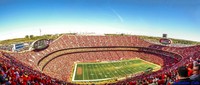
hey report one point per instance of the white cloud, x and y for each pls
(118, 15)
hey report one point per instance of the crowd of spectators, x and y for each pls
(13, 72)
(6, 47)
(16, 74)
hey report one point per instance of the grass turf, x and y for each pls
(109, 70)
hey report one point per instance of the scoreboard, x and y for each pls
(17, 47)
(164, 40)
(40, 44)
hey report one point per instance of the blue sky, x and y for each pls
(178, 18)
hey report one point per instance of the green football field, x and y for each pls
(110, 70)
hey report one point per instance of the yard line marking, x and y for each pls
(121, 70)
(96, 69)
(115, 70)
(98, 72)
(110, 71)
(87, 71)
(83, 70)
(102, 71)
(74, 72)
(94, 72)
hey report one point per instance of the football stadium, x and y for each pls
(99, 42)
(110, 59)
